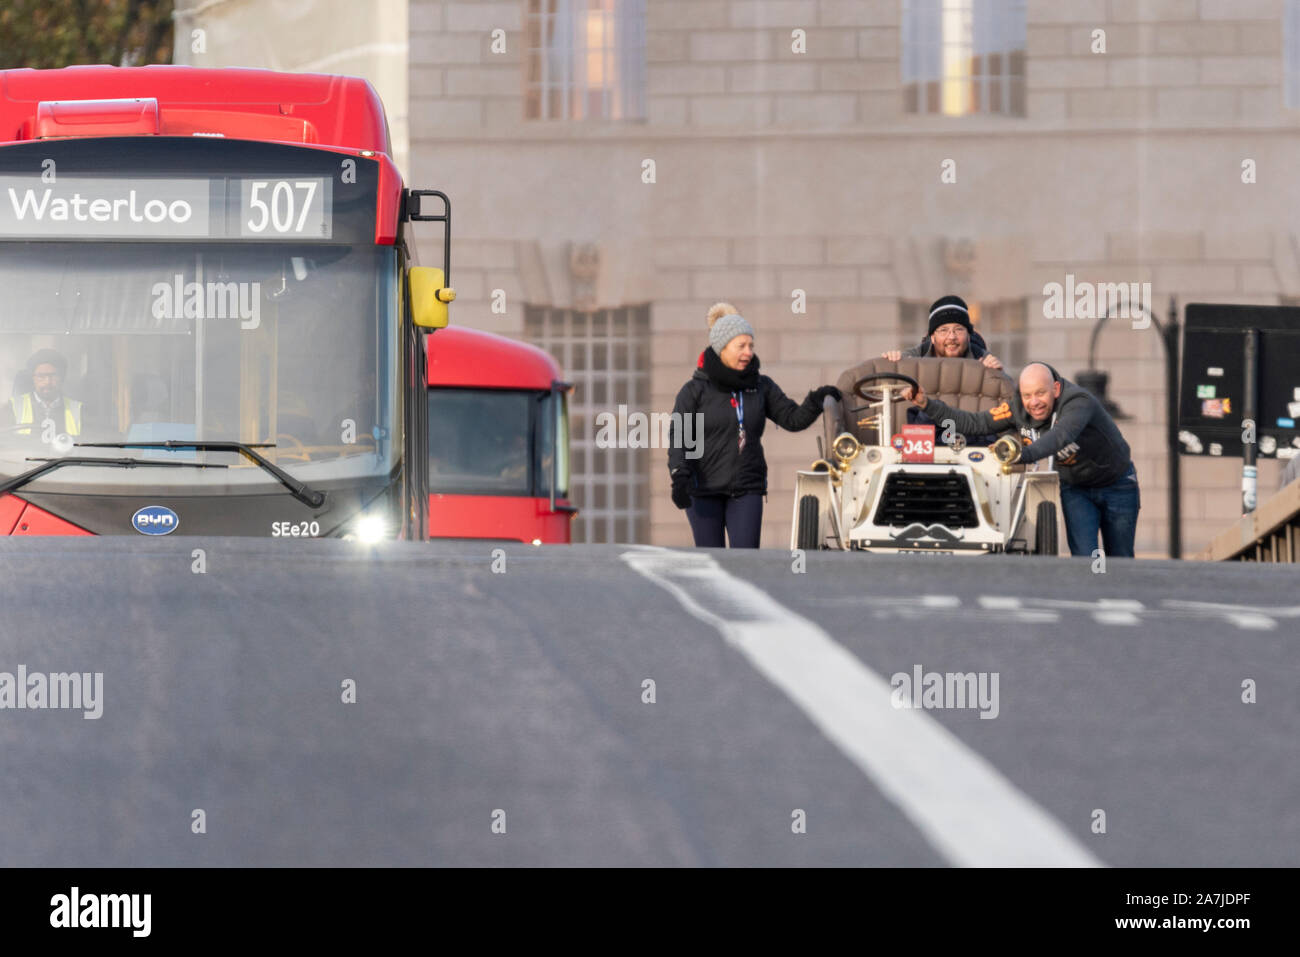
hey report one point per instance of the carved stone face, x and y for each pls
(584, 260)
(584, 268)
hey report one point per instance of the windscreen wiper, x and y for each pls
(301, 492)
(18, 481)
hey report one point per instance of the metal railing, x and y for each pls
(1271, 533)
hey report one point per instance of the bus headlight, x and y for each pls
(371, 529)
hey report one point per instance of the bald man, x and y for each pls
(1099, 486)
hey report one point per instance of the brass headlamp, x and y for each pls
(1007, 451)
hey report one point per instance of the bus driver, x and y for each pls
(45, 405)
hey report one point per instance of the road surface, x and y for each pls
(625, 705)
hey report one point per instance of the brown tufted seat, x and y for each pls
(961, 383)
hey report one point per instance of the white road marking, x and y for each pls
(1011, 609)
(1114, 618)
(1021, 616)
(919, 602)
(965, 808)
(1251, 617)
(1104, 611)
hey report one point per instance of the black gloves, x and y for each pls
(681, 488)
(818, 396)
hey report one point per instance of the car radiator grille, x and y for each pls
(928, 498)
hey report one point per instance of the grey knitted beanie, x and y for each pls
(726, 329)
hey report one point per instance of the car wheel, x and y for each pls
(1045, 529)
(809, 523)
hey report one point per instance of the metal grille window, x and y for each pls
(586, 60)
(606, 355)
(1291, 54)
(964, 56)
(1004, 326)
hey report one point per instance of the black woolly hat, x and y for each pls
(949, 309)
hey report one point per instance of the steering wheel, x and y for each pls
(879, 394)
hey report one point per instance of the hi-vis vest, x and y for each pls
(23, 413)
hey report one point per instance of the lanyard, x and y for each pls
(738, 400)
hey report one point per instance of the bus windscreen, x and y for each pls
(290, 344)
(496, 442)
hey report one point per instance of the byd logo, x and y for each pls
(155, 520)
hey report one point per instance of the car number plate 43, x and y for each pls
(916, 443)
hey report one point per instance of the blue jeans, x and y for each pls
(1112, 509)
(741, 518)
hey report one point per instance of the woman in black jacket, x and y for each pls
(719, 474)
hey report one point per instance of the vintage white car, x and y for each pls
(882, 485)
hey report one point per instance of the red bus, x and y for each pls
(212, 320)
(498, 440)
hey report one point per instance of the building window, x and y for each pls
(1003, 325)
(1291, 54)
(586, 60)
(964, 56)
(606, 355)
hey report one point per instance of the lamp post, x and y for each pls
(1095, 381)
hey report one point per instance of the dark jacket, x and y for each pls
(721, 468)
(976, 349)
(1089, 449)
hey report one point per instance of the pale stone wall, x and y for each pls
(778, 171)
(366, 39)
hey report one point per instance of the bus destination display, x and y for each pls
(297, 208)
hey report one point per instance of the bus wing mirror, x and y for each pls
(429, 297)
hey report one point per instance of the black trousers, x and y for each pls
(740, 518)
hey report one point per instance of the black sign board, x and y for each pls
(1211, 402)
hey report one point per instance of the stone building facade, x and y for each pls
(865, 157)
(783, 164)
